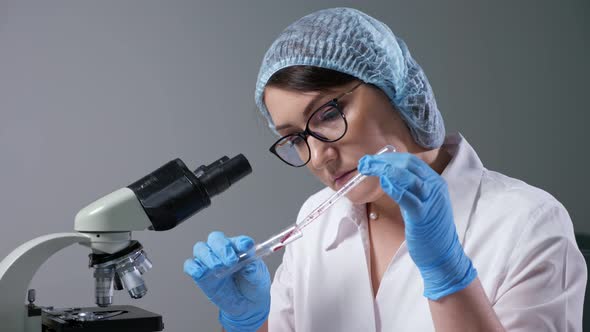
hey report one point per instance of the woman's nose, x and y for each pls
(321, 152)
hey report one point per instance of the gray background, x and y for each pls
(94, 95)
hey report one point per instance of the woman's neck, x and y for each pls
(437, 159)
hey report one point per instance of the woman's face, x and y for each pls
(372, 124)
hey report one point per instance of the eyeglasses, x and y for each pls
(327, 124)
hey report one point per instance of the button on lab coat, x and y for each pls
(519, 238)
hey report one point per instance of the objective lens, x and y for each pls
(131, 277)
(103, 286)
(142, 263)
(133, 282)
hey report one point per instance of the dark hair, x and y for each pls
(309, 78)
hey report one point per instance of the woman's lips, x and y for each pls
(341, 180)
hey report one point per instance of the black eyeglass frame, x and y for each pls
(306, 133)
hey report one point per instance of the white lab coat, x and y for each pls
(519, 238)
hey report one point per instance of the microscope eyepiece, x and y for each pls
(220, 175)
(173, 193)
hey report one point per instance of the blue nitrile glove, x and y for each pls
(243, 298)
(430, 231)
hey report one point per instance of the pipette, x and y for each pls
(294, 232)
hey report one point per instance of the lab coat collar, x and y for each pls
(462, 174)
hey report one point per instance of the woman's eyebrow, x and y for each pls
(281, 127)
(310, 106)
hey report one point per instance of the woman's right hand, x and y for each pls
(243, 298)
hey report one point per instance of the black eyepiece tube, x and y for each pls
(217, 177)
(172, 193)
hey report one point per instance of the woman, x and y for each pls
(430, 241)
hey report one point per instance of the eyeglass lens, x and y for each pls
(326, 124)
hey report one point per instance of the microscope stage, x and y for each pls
(117, 318)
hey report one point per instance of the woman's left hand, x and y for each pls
(430, 232)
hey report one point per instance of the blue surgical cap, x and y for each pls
(354, 43)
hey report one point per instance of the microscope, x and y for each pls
(159, 201)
